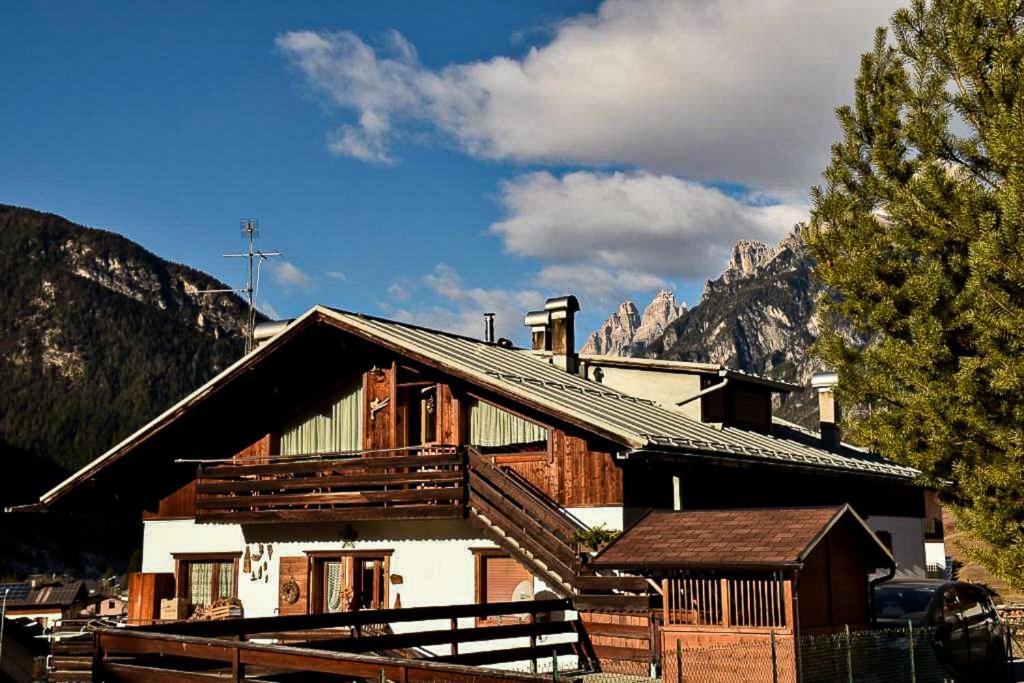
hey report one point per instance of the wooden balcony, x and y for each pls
(411, 483)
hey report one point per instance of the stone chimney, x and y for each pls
(828, 409)
(553, 330)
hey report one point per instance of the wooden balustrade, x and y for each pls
(403, 484)
(759, 601)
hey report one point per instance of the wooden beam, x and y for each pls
(336, 514)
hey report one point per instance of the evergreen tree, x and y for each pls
(918, 232)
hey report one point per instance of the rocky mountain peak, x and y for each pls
(656, 318)
(627, 332)
(747, 256)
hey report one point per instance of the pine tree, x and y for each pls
(919, 234)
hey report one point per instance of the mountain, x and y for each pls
(628, 333)
(97, 335)
(757, 316)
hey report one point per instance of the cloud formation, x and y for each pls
(463, 307)
(712, 89)
(288, 274)
(630, 230)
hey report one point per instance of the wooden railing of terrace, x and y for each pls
(748, 601)
(409, 483)
(226, 651)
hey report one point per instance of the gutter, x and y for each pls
(707, 390)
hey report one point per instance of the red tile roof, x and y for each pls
(765, 537)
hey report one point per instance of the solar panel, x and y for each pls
(15, 591)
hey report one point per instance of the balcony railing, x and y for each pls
(410, 483)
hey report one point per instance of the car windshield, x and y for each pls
(896, 602)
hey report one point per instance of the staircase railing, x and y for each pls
(539, 532)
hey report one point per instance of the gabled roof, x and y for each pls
(768, 537)
(638, 424)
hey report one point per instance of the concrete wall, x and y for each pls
(907, 542)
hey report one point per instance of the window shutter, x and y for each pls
(293, 569)
(503, 575)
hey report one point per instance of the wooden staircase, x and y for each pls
(535, 531)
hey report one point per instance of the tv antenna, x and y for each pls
(255, 258)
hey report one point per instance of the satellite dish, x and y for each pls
(523, 590)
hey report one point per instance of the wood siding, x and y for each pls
(379, 408)
(145, 591)
(573, 475)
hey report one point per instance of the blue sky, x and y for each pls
(429, 160)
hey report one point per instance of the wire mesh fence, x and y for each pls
(901, 655)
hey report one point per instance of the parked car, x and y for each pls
(968, 637)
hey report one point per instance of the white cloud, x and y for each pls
(267, 309)
(288, 274)
(593, 281)
(711, 89)
(462, 307)
(643, 226)
(336, 275)
(398, 291)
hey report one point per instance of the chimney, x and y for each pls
(562, 330)
(828, 409)
(489, 328)
(539, 323)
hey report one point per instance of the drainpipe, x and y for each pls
(871, 589)
(706, 390)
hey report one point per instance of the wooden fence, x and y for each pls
(763, 601)
(236, 648)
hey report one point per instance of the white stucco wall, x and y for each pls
(665, 388)
(611, 516)
(935, 553)
(907, 542)
(434, 558)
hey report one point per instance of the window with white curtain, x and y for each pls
(491, 427)
(333, 425)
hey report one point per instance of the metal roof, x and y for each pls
(637, 422)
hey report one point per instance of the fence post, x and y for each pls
(849, 656)
(775, 661)
(679, 661)
(910, 645)
(554, 666)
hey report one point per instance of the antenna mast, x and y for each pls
(255, 258)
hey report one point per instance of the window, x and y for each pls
(332, 425)
(494, 429)
(205, 579)
(350, 581)
(500, 578)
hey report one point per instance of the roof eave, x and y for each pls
(154, 426)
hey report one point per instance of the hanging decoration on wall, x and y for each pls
(348, 536)
(377, 405)
(290, 591)
(246, 562)
(270, 551)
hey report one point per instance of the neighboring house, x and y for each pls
(44, 599)
(353, 462)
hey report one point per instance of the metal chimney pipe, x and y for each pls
(489, 328)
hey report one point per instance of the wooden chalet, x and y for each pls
(356, 463)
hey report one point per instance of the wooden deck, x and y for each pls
(404, 484)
